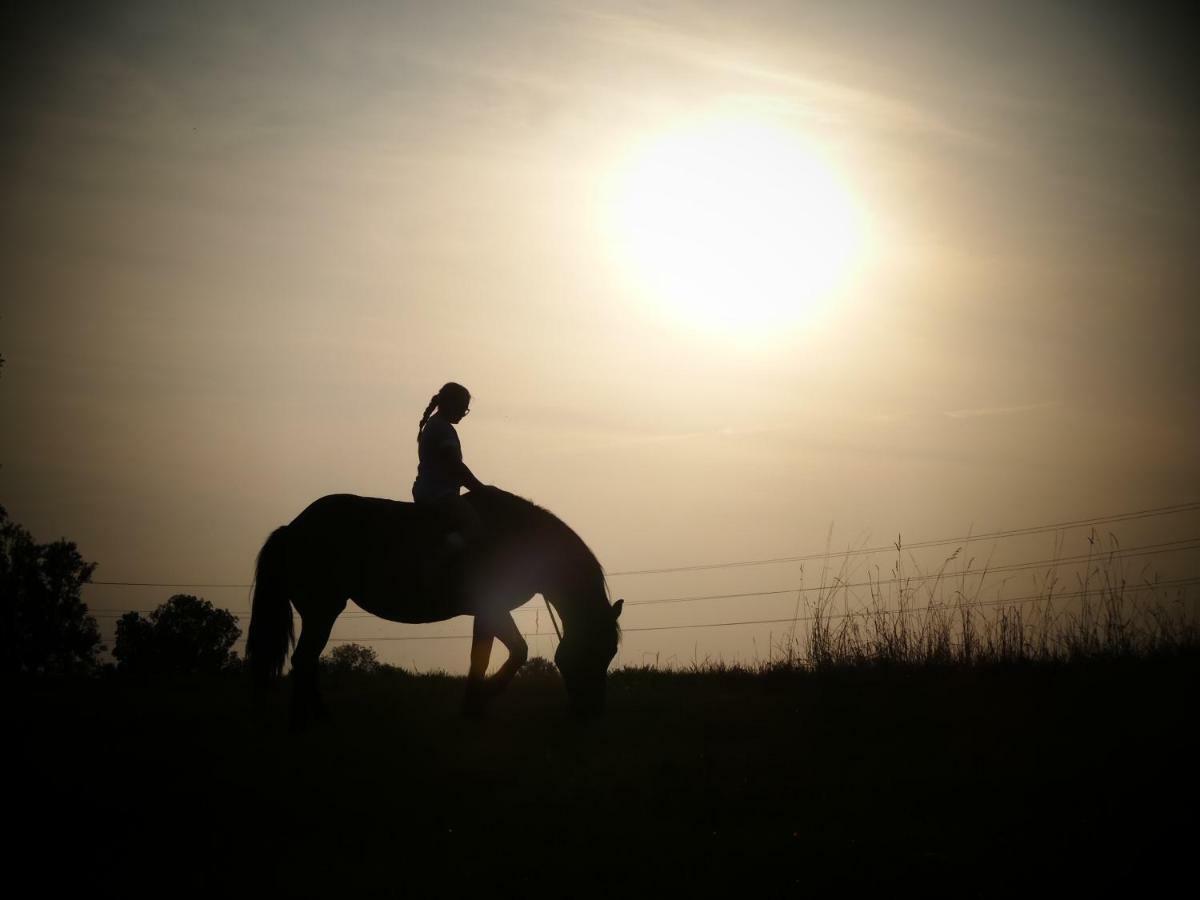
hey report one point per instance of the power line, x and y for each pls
(896, 612)
(169, 584)
(1148, 550)
(820, 617)
(864, 551)
(861, 551)
(1183, 545)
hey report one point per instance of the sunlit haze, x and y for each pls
(734, 224)
(727, 282)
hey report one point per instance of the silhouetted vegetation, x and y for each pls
(971, 781)
(537, 667)
(44, 624)
(351, 657)
(184, 636)
(942, 619)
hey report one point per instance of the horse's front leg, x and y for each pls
(475, 702)
(518, 651)
(481, 689)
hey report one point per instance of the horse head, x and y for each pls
(583, 657)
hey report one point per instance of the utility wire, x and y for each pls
(1050, 598)
(1186, 544)
(836, 585)
(864, 551)
(861, 551)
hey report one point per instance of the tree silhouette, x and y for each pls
(351, 658)
(184, 636)
(538, 667)
(44, 625)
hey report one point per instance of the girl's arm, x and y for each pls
(453, 458)
(468, 478)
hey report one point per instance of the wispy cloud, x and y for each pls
(817, 98)
(592, 441)
(999, 410)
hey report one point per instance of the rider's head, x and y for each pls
(453, 401)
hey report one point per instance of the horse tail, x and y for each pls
(272, 631)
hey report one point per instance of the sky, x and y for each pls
(726, 282)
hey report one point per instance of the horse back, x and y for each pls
(370, 550)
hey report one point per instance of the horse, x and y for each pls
(375, 552)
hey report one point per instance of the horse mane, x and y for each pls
(529, 517)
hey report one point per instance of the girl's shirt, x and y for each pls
(439, 454)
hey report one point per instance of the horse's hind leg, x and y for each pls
(317, 619)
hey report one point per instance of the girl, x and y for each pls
(440, 467)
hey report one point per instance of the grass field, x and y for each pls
(950, 780)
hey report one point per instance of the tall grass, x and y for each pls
(943, 618)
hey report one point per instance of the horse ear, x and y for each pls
(616, 609)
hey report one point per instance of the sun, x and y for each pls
(734, 224)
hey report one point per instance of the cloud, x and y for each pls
(816, 98)
(590, 441)
(999, 410)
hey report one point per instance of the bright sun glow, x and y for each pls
(735, 224)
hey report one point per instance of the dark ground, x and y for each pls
(957, 783)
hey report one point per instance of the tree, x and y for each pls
(184, 636)
(44, 624)
(538, 667)
(351, 658)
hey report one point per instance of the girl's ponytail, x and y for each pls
(428, 412)
(451, 394)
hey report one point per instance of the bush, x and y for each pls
(44, 624)
(538, 667)
(351, 658)
(184, 636)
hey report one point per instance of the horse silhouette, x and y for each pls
(373, 551)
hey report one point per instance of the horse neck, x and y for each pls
(577, 588)
(583, 605)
